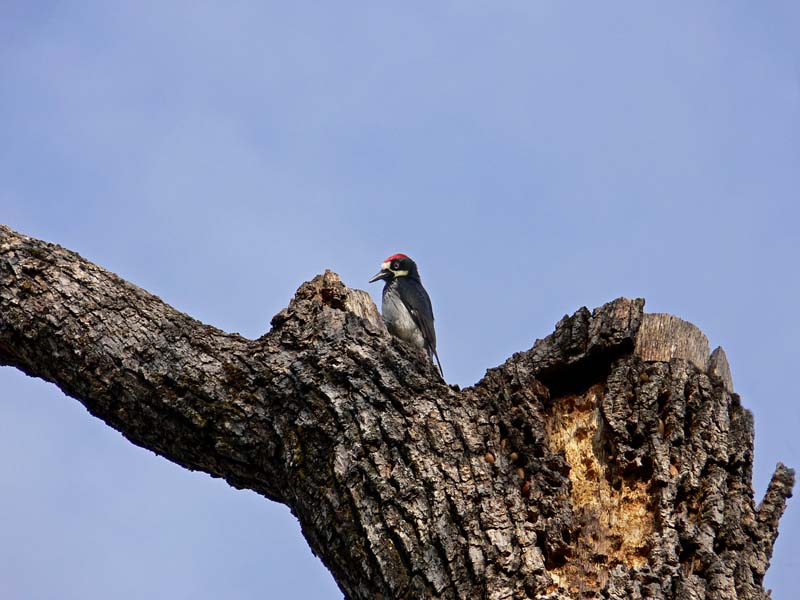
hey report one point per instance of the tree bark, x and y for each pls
(611, 460)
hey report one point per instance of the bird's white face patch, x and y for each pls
(387, 266)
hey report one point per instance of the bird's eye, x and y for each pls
(395, 266)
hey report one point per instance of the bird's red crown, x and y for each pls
(395, 257)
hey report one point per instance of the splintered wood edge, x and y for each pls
(662, 337)
(718, 367)
(360, 303)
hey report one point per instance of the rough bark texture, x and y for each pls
(611, 460)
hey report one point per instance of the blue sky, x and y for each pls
(532, 157)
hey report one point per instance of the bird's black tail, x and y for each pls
(438, 362)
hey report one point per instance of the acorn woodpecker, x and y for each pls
(406, 306)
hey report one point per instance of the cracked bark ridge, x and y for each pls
(611, 460)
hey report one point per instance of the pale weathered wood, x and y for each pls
(718, 367)
(604, 462)
(663, 337)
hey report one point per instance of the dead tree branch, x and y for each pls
(613, 459)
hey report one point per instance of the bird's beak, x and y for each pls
(382, 274)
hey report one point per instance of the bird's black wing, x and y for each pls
(418, 303)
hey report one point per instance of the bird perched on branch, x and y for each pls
(406, 306)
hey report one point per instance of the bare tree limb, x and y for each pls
(610, 460)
